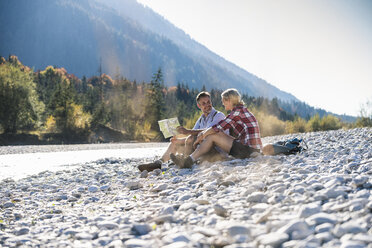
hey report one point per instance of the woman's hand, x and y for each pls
(199, 139)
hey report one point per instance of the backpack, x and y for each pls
(288, 147)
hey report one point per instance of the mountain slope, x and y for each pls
(120, 37)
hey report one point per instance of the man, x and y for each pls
(240, 121)
(209, 117)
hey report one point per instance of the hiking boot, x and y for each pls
(150, 166)
(187, 163)
(177, 159)
(182, 161)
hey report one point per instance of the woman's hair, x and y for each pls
(233, 95)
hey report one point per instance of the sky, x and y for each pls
(318, 50)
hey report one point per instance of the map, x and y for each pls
(169, 127)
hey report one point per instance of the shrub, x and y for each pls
(296, 126)
(270, 125)
(330, 122)
(313, 124)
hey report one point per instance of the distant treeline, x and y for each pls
(56, 105)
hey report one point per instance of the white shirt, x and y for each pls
(213, 118)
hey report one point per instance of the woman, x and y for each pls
(240, 121)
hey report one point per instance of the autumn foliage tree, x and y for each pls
(20, 108)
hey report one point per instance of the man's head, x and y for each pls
(203, 100)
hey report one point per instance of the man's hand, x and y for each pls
(182, 130)
(173, 139)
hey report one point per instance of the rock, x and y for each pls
(179, 244)
(202, 202)
(326, 227)
(8, 205)
(348, 227)
(309, 209)
(176, 237)
(359, 180)
(93, 188)
(188, 205)
(141, 229)
(257, 197)
(209, 232)
(332, 193)
(104, 187)
(107, 225)
(144, 174)
(273, 239)
(296, 229)
(84, 236)
(22, 231)
(160, 187)
(133, 185)
(135, 243)
(162, 219)
(168, 210)
(237, 229)
(185, 197)
(219, 210)
(352, 244)
(321, 218)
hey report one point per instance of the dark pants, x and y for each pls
(238, 150)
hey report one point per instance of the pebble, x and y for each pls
(93, 188)
(318, 198)
(141, 229)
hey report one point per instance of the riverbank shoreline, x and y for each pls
(319, 198)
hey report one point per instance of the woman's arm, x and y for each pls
(202, 135)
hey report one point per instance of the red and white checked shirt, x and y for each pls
(244, 125)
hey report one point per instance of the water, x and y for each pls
(17, 166)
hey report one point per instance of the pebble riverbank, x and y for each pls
(319, 198)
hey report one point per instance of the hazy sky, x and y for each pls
(318, 50)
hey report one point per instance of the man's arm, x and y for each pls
(186, 131)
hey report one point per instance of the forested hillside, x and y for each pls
(60, 107)
(117, 37)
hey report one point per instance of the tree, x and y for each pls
(20, 107)
(155, 100)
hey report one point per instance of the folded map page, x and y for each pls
(169, 127)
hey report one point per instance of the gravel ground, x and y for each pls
(319, 198)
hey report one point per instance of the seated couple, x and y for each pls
(209, 136)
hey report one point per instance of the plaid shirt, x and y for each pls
(244, 125)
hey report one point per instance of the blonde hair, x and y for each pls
(233, 95)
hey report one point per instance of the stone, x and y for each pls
(321, 218)
(309, 209)
(107, 225)
(177, 237)
(93, 188)
(219, 210)
(8, 205)
(326, 227)
(141, 229)
(273, 239)
(22, 231)
(257, 197)
(237, 229)
(160, 187)
(163, 218)
(133, 185)
(144, 174)
(135, 243)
